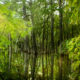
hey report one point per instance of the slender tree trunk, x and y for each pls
(61, 37)
(72, 31)
(60, 68)
(47, 52)
(34, 58)
(10, 52)
(26, 64)
(61, 20)
(34, 44)
(26, 60)
(43, 37)
(24, 10)
(35, 54)
(52, 41)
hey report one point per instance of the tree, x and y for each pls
(61, 36)
(52, 40)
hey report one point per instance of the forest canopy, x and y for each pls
(39, 40)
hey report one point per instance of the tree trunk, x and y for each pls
(10, 52)
(34, 44)
(61, 37)
(52, 41)
(24, 10)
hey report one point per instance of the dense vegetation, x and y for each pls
(39, 40)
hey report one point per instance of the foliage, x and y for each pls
(72, 48)
(26, 39)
